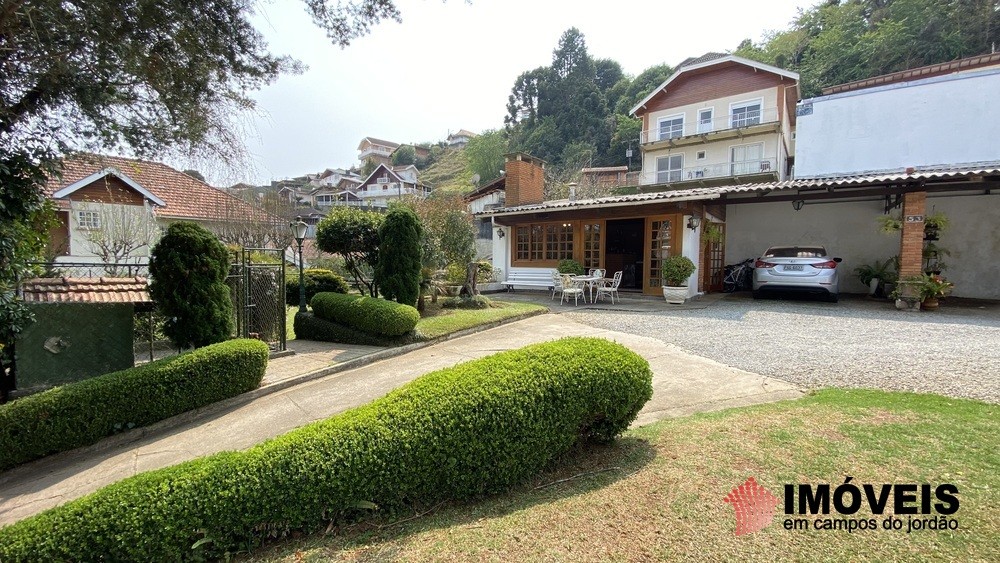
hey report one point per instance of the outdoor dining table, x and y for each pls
(590, 282)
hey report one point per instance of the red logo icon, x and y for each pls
(754, 506)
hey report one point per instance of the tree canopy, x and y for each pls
(837, 42)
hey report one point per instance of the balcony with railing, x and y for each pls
(756, 170)
(686, 131)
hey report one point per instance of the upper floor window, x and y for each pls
(670, 127)
(744, 114)
(88, 219)
(669, 168)
(383, 179)
(705, 117)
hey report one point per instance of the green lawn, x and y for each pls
(656, 494)
(438, 322)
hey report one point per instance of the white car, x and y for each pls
(799, 269)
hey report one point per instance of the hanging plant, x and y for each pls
(889, 223)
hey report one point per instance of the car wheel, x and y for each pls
(833, 297)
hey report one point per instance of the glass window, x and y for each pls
(668, 168)
(537, 242)
(746, 114)
(671, 127)
(88, 219)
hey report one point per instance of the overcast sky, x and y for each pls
(451, 65)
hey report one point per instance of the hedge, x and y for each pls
(472, 429)
(368, 314)
(317, 280)
(310, 327)
(81, 413)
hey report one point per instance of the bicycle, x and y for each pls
(739, 277)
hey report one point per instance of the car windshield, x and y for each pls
(795, 252)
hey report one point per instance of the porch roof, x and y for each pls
(666, 195)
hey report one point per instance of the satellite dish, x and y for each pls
(475, 178)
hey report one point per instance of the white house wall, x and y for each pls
(717, 156)
(720, 114)
(848, 230)
(945, 120)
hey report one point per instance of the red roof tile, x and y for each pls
(86, 290)
(186, 197)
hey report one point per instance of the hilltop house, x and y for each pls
(460, 138)
(386, 183)
(376, 150)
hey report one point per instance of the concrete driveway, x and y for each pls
(683, 383)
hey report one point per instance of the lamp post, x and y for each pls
(299, 232)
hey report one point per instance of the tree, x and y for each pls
(144, 77)
(449, 234)
(354, 235)
(485, 155)
(188, 270)
(404, 156)
(122, 230)
(398, 267)
(254, 222)
(368, 167)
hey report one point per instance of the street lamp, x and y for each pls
(299, 232)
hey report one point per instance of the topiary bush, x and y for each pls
(317, 280)
(472, 429)
(308, 326)
(188, 270)
(397, 272)
(81, 413)
(368, 314)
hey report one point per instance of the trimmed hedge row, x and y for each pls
(310, 327)
(369, 314)
(317, 280)
(81, 413)
(475, 428)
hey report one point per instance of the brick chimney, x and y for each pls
(525, 180)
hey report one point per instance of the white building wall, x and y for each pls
(717, 157)
(848, 230)
(945, 120)
(974, 242)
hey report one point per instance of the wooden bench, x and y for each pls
(534, 278)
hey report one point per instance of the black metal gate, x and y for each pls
(257, 286)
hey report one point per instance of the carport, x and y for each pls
(841, 214)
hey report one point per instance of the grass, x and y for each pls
(437, 321)
(656, 494)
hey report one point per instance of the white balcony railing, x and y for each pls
(673, 129)
(725, 170)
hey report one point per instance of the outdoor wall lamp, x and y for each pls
(500, 232)
(797, 204)
(694, 222)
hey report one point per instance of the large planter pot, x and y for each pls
(930, 303)
(676, 295)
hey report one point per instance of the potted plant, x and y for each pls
(934, 224)
(712, 233)
(570, 266)
(874, 275)
(675, 271)
(934, 288)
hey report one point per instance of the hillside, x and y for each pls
(448, 172)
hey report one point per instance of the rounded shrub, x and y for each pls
(368, 314)
(317, 280)
(472, 429)
(81, 413)
(570, 266)
(188, 270)
(476, 302)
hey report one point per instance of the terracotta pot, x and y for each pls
(930, 303)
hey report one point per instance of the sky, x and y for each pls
(450, 65)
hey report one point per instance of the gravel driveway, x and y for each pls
(854, 343)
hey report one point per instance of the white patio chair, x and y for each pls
(612, 288)
(566, 286)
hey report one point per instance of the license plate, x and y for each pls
(793, 267)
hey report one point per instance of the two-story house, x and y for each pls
(460, 138)
(718, 119)
(376, 150)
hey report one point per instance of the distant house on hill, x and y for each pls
(460, 138)
(376, 150)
